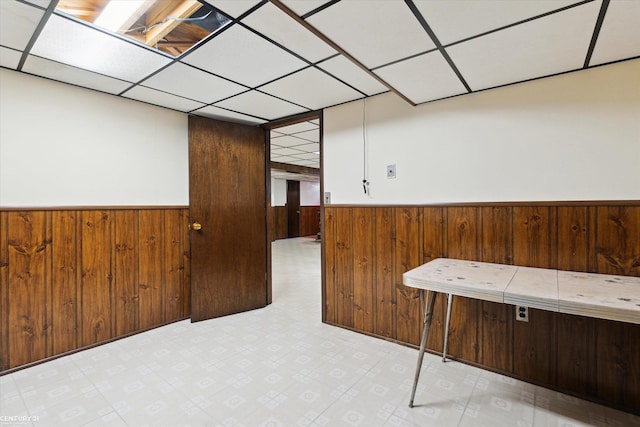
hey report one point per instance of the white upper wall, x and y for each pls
(65, 146)
(278, 192)
(309, 193)
(569, 137)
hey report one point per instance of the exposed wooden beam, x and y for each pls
(156, 18)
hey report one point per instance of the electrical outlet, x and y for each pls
(327, 198)
(522, 313)
(391, 171)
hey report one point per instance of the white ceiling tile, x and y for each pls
(289, 141)
(279, 27)
(233, 8)
(17, 23)
(308, 156)
(423, 78)
(302, 7)
(230, 116)
(152, 96)
(188, 82)
(308, 163)
(620, 33)
(41, 3)
(350, 73)
(76, 44)
(9, 58)
(375, 32)
(311, 88)
(452, 21)
(310, 135)
(68, 74)
(285, 151)
(310, 148)
(261, 105)
(283, 159)
(295, 128)
(241, 56)
(534, 49)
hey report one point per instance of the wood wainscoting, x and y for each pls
(368, 248)
(279, 222)
(71, 278)
(309, 220)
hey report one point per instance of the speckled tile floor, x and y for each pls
(278, 366)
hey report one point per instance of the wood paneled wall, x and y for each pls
(279, 222)
(73, 278)
(368, 248)
(309, 220)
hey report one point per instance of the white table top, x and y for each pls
(586, 294)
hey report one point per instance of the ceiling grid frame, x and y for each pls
(435, 40)
(356, 86)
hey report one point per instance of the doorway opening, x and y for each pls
(294, 149)
(295, 187)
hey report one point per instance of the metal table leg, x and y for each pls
(428, 313)
(446, 327)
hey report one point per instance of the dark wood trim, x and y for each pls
(269, 214)
(523, 203)
(291, 120)
(294, 168)
(88, 208)
(323, 247)
(338, 48)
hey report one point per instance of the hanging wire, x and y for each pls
(365, 181)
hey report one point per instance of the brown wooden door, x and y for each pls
(227, 194)
(293, 208)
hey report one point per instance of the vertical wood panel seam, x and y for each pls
(374, 270)
(5, 242)
(392, 291)
(78, 275)
(80, 287)
(511, 261)
(163, 271)
(111, 276)
(48, 280)
(136, 236)
(114, 273)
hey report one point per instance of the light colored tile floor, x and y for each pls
(278, 366)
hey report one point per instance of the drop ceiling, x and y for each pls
(296, 144)
(273, 59)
